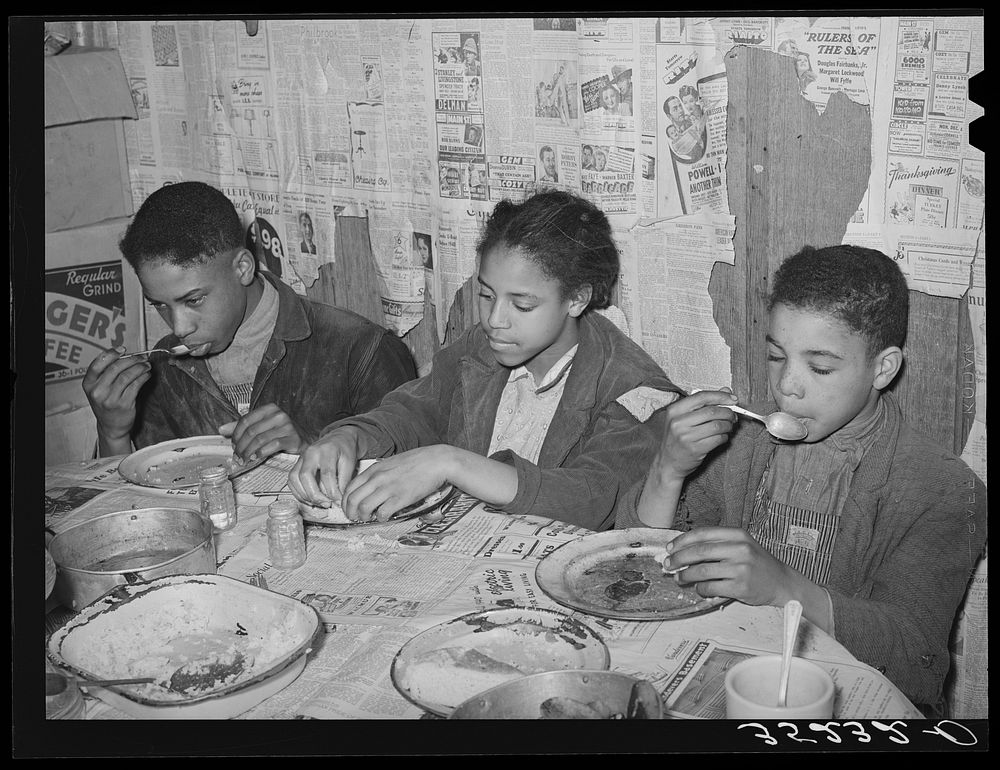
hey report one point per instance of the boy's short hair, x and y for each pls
(567, 236)
(184, 224)
(862, 288)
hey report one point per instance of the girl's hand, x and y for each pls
(325, 467)
(396, 482)
(727, 561)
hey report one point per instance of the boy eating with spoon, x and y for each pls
(263, 365)
(875, 528)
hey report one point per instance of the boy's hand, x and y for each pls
(325, 467)
(112, 386)
(396, 482)
(695, 426)
(727, 561)
(263, 432)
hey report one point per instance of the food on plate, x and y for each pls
(207, 674)
(480, 660)
(186, 653)
(472, 660)
(619, 574)
(450, 675)
(636, 582)
(661, 559)
(335, 513)
(332, 515)
(561, 707)
(183, 466)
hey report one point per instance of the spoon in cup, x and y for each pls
(793, 616)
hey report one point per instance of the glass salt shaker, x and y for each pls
(218, 500)
(286, 540)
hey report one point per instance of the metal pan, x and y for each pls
(126, 547)
(566, 695)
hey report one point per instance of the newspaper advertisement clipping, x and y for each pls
(693, 95)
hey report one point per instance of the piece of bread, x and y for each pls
(447, 676)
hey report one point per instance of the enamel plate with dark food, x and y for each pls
(619, 574)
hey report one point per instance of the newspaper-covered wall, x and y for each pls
(422, 125)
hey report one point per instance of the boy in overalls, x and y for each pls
(875, 528)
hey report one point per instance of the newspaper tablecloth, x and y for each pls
(376, 586)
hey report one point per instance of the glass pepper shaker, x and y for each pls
(218, 500)
(286, 540)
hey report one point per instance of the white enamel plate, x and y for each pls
(175, 464)
(446, 665)
(616, 574)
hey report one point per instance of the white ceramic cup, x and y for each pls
(752, 690)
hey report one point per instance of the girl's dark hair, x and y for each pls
(184, 224)
(568, 237)
(862, 288)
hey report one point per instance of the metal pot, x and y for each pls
(126, 547)
(527, 697)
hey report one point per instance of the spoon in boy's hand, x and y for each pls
(176, 350)
(779, 424)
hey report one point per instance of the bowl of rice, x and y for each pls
(214, 646)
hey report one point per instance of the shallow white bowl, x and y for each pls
(137, 622)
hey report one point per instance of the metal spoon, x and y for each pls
(55, 683)
(793, 615)
(84, 683)
(779, 424)
(176, 350)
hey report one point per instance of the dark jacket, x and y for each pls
(909, 536)
(594, 449)
(322, 363)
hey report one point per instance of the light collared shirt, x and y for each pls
(526, 409)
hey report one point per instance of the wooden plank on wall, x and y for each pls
(795, 178)
(351, 281)
(931, 388)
